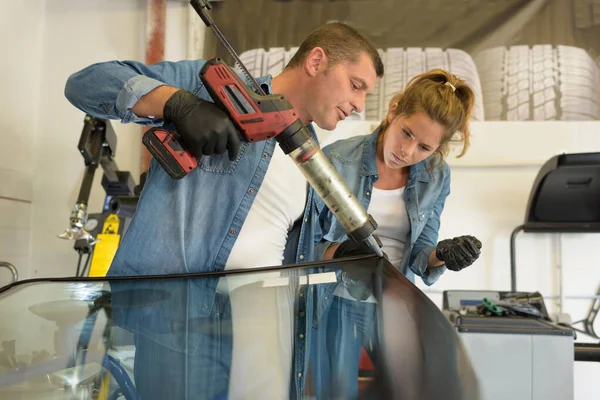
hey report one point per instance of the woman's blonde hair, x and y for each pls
(444, 98)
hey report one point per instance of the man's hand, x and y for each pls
(204, 128)
(358, 283)
(350, 248)
(459, 252)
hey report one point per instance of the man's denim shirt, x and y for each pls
(188, 225)
(425, 194)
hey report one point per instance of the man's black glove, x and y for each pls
(458, 253)
(350, 248)
(204, 128)
(358, 283)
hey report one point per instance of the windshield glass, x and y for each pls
(347, 329)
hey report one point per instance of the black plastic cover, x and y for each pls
(566, 195)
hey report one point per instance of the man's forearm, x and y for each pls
(152, 103)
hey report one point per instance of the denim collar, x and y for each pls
(369, 163)
(418, 171)
(265, 83)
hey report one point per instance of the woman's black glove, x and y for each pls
(459, 252)
(204, 128)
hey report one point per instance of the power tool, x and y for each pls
(259, 116)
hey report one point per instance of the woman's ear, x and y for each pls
(391, 113)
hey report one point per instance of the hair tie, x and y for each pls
(451, 85)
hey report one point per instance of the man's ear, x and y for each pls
(315, 62)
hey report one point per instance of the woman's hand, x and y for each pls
(459, 252)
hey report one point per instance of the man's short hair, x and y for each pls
(340, 42)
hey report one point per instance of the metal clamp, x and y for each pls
(77, 229)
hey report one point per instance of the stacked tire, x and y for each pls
(400, 66)
(522, 83)
(403, 64)
(260, 62)
(517, 83)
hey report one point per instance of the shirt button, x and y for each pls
(301, 336)
(205, 307)
(368, 193)
(301, 314)
(250, 190)
(232, 232)
(301, 256)
(301, 294)
(305, 219)
(265, 155)
(299, 374)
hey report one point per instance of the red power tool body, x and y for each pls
(257, 117)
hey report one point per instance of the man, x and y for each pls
(209, 220)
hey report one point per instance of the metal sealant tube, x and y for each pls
(334, 191)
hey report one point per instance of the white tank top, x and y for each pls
(388, 209)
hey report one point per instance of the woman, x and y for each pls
(399, 175)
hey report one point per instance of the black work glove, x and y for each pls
(204, 128)
(350, 248)
(459, 252)
(358, 283)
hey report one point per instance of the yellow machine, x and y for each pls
(98, 235)
(105, 247)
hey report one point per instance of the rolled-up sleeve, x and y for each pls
(133, 90)
(427, 240)
(419, 266)
(110, 89)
